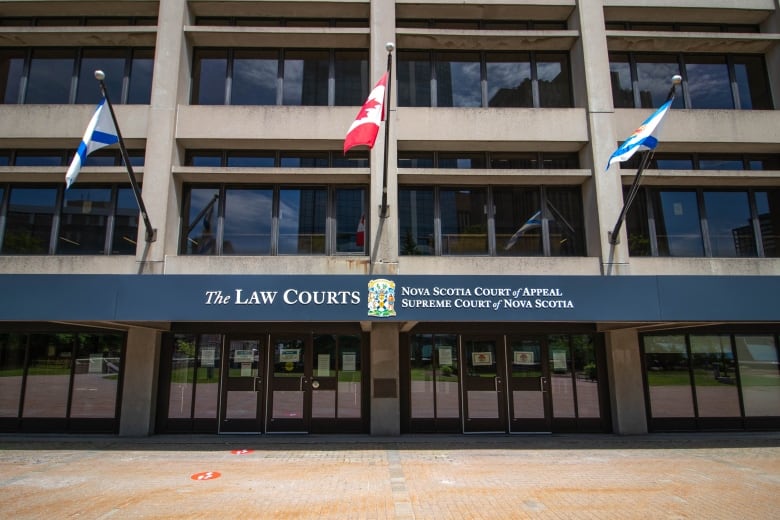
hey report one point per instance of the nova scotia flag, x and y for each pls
(532, 223)
(101, 132)
(644, 138)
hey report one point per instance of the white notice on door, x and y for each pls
(323, 365)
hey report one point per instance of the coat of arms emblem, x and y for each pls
(381, 298)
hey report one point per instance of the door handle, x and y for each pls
(303, 381)
(258, 381)
(497, 380)
(542, 382)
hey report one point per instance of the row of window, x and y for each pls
(40, 220)
(406, 159)
(66, 75)
(331, 77)
(24, 157)
(705, 222)
(439, 220)
(75, 21)
(58, 377)
(702, 376)
(710, 81)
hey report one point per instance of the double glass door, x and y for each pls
(291, 384)
(506, 385)
(315, 384)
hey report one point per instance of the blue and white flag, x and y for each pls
(644, 138)
(101, 132)
(534, 222)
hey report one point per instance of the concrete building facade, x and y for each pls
(278, 295)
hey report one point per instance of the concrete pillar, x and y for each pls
(169, 87)
(624, 370)
(385, 391)
(384, 253)
(139, 389)
(772, 25)
(602, 195)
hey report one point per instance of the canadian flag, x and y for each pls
(360, 236)
(366, 125)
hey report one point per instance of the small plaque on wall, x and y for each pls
(385, 388)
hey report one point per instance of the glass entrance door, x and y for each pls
(289, 401)
(530, 407)
(484, 402)
(242, 396)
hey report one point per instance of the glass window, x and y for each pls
(141, 68)
(11, 71)
(38, 158)
(715, 376)
(620, 75)
(306, 75)
(183, 364)
(12, 352)
(586, 376)
(768, 208)
(552, 71)
(752, 83)
(205, 159)
(458, 79)
(415, 159)
(125, 223)
(729, 223)
(48, 375)
(759, 374)
(653, 75)
(463, 221)
(303, 160)
(351, 222)
(708, 82)
(514, 160)
(248, 221)
(255, 77)
(416, 215)
(668, 376)
(678, 225)
(83, 223)
(561, 382)
(201, 222)
(302, 220)
(422, 376)
(96, 375)
(351, 77)
(671, 162)
(49, 78)
(207, 378)
(414, 79)
(349, 367)
(637, 226)
(509, 80)
(461, 160)
(565, 222)
(209, 74)
(251, 160)
(518, 222)
(112, 62)
(29, 220)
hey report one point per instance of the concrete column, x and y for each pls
(139, 389)
(624, 369)
(772, 25)
(169, 86)
(384, 232)
(385, 391)
(602, 195)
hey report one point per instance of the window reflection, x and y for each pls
(509, 80)
(255, 76)
(12, 352)
(463, 221)
(668, 377)
(677, 223)
(458, 80)
(715, 376)
(29, 220)
(302, 218)
(653, 73)
(416, 221)
(305, 75)
(759, 375)
(708, 82)
(83, 221)
(518, 222)
(248, 222)
(729, 224)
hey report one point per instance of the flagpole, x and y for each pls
(647, 155)
(389, 46)
(151, 233)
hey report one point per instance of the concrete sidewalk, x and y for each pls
(409, 477)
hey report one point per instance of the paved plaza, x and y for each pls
(657, 476)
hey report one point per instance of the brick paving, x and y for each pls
(657, 476)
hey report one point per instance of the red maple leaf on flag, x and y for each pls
(365, 128)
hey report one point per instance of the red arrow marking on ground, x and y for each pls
(242, 452)
(206, 475)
